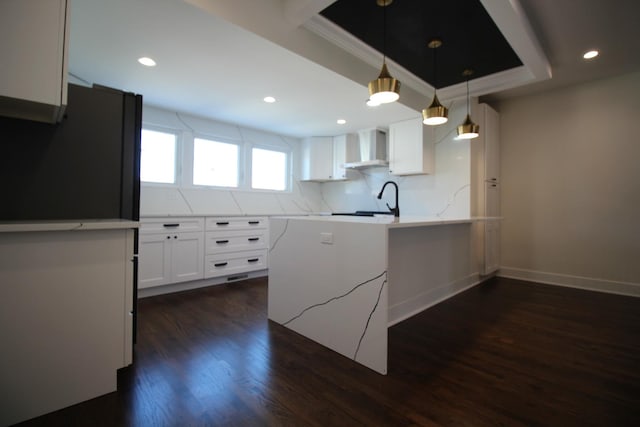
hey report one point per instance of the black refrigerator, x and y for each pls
(87, 166)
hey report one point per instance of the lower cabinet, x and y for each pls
(175, 250)
(172, 256)
(235, 245)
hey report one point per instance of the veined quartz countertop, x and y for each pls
(392, 222)
(66, 225)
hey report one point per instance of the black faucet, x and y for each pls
(396, 209)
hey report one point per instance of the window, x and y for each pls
(215, 163)
(268, 169)
(158, 157)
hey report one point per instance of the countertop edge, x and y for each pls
(67, 225)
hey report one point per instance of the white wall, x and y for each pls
(571, 185)
(445, 193)
(186, 199)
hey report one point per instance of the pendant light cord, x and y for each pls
(467, 96)
(384, 33)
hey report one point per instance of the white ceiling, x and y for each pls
(211, 67)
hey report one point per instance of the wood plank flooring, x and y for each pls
(505, 353)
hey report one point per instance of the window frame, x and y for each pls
(288, 166)
(177, 167)
(222, 140)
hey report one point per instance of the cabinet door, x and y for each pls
(491, 247)
(154, 260)
(492, 199)
(344, 151)
(491, 144)
(187, 256)
(33, 76)
(410, 148)
(317, 159)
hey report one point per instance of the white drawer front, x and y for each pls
(235, 240)
(235, 223)
(171, 224)
(235, 262)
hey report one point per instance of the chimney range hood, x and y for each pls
(372, 149)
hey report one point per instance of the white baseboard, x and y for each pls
(587, 283)
(406, 309)
(195, 284)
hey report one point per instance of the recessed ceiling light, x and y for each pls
(269, 99)
(590, 54)
(147, 61)
(341, 121)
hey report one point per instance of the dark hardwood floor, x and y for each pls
(505, 353)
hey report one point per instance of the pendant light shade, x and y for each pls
(385, 88)
(436, 113)
(468, 129)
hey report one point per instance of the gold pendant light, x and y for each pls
(436, 113)
(468, 129)
(385, 88)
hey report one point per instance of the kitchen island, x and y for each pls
(343, 280)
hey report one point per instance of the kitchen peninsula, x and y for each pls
(343, 280)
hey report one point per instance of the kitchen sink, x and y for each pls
(363, 213)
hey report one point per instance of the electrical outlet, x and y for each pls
(326, 238)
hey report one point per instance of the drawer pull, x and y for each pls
(221, 241)
(253, 239)
(220, 264)
(254, 222)
(172, 225)
(222, 223)
(253, 260)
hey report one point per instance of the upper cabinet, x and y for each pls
(34, 45)
(411, 148)
(323, 157)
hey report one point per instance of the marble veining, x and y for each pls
(275, 242)
(350, 291)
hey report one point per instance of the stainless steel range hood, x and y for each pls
(372, 149)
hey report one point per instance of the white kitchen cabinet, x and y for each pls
(66, 298)
(171, 250)
(411, 148)
(235, 246)
(34, 40)
(323, 158)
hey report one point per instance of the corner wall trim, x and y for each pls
(587, 283)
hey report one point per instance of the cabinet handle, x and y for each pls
(253, 260)
(254, 222)
(172, 225)
(168, 237)
(222, 241)
(175, 237)
(220, 264)
(253, 239)
(222, 223)
(494, 185)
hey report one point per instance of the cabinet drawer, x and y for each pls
(235, 240)
(171, 224)
(235, 223)
(235, 262)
